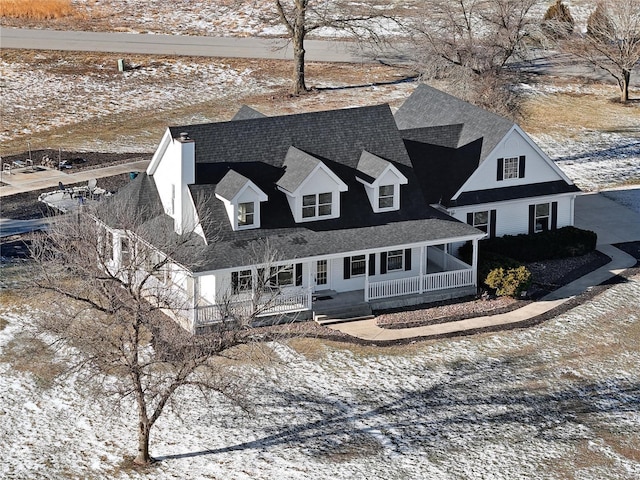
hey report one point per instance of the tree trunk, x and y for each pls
(624, 86)
(299, 85)
(299, 32)
(143, 457)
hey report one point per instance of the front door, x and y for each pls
(322, 275)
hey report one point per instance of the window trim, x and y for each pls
(246, 214)
(399, 253)
(386, 197)
(511, 168)
(356, 260)
(536, 217)
(317, 205)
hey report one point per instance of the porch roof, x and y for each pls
(301, 242)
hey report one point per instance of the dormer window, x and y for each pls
(317, 205)
(386, 196)
(246, 212)
(312, 189)
(382, 181)
(241, 198)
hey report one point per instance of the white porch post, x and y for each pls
(474, 263)
(422, 267)
(366, 277)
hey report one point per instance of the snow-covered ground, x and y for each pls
(556, 401)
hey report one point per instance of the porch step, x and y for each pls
(342, 313)
(323, 320)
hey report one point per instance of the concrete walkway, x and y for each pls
(24, 180)
(369, 330)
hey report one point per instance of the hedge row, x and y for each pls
(562, 243)
(500, 259)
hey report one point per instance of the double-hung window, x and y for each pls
(510, 168)
(246, 212)
(481, 221)
(386, 196)
(242, 281)
(317, 205)
(125, 250)
(281, 276)
(358, 265)
(542, 217)
(395, 260)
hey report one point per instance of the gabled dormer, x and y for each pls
(312, 189)
(241, 198)
(381, 181)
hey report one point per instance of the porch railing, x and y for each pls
(282, 303)
(421, 284)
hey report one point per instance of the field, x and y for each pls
(557, 401)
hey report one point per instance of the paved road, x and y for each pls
(316, 50)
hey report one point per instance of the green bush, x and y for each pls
(509, 282)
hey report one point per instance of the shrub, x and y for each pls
(509, 282)
(557, 20)
(562, 243)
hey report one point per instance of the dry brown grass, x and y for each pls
(569, 113)
(37, 9)
(28, 354)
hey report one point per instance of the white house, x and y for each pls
(482, 168)
(358, 205)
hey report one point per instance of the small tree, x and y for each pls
(557, 20)
(112, 312)
(612, 41)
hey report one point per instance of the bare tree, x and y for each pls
(302, 17)
(470, 42)
(612, 41)
(111, 312)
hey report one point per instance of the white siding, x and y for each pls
(512, 218)
(174, 171)
(538, 167)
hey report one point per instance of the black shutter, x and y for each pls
(500, 168)
(372, 264)
(554, 215)
(347, 268)
(532, 219)
(407, 259)
(234, 282)
(470, 218)
(492, 223)
(383, 262)
(262, 281)
(298, 274)
(521, 167)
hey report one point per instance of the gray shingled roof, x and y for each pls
(231, 184)
(429, 107)
(247, 113)
(334, 135)
(372, 166)
(272, 151)
(515, 192)
(298, 165)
